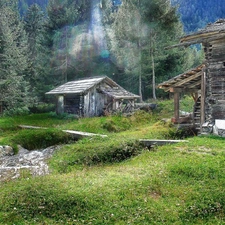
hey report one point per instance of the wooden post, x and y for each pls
(176, 106)
(81, 106)
(1, 107)
(60, 105)
(203, 88)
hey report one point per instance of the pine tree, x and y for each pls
(138, 33)
(13, 58)
(39, 75)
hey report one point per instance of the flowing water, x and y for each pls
(35, 162)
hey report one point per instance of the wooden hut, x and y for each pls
(93, 96)
(208, 80)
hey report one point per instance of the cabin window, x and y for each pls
(224, 64)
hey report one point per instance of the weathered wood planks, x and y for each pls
(155, 142)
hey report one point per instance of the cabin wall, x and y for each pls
(94, 102)
(90, 104)
(73, 104)
(215, 80)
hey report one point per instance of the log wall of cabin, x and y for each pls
(73, 104)
(94, 102)
(215, 80)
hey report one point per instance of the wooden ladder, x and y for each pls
(197, 114)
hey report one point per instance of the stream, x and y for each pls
(11, 167)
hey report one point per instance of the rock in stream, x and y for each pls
(11, 166)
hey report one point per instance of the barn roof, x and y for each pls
(82, 86)
(211, 31)
(190, 80)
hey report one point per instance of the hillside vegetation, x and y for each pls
(115, 180)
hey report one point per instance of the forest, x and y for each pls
(108, 176)
(195, 14)
(47, 43)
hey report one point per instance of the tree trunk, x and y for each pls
(140, 69)
(140, 73)
(151, 55)
(153, 76)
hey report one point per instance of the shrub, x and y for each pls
(41, 138)
(116, 124)
(65, 116)
(89, 153)
(42, 108)
(17, 111)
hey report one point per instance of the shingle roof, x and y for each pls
(219, 25)
(216, 30)
(76, 87)
(82, 86)
(186, 81)
(118, 93)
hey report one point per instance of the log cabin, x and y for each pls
(94, 96)
(206, 82)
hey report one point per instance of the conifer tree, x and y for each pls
(13, 58)
(138, 33)
(39, 75)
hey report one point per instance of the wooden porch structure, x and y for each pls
(191, 82)
(212, 82)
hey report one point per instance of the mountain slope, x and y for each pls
(196, 14)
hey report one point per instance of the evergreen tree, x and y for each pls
(39, 75)
(196, 14)
(67, 12)
(138, 33)
(64, 22)
(13, 58)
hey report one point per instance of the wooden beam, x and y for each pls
(60, 104)
(192, 86)
(176, 105)
(183, 90)
(188, 79)
(199, 38)
(78, 134)
(203, 90)
(31, 127)
(151, 142)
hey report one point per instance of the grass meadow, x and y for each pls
(115, 180)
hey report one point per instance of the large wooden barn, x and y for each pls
(93, 96)
(206, 82)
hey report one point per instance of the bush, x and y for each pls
(116, 124)
(41, 138)
(42, 108)
(181, 133)
(17, 111)
(64, 116)
(89, 153)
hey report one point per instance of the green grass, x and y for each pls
(175, 184)
(114, 180)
